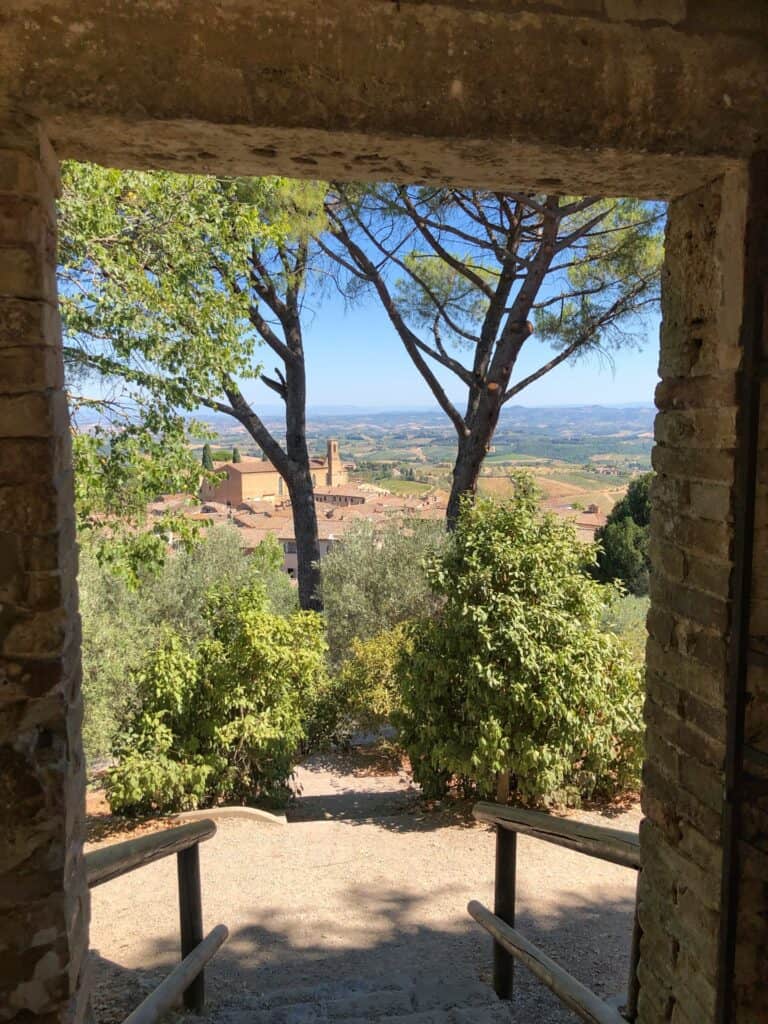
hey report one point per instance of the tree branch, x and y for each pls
(410, 341)
(268, 335)
(449, 258)
(254, 425)
(275, 385)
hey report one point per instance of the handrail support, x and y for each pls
(504, 908)
(191, 919)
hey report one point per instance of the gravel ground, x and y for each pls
(364, 881)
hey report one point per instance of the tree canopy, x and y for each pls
(623, 553)
(169, 283)
(468, 278)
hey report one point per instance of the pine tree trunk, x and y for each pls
(299, 476)
(307, 544)
(472, 451)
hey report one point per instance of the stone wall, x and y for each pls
(690, 618)
(43, 898)
(751, 855)
(614, 97)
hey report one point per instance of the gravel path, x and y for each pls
(363, 882)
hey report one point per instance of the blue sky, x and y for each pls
(354, 358)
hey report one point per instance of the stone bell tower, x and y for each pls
(335, 472)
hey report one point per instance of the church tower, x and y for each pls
(335, 472)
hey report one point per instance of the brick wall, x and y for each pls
(751, 855)
(43, 899)
(689, 620)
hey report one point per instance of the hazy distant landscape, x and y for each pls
(573, 451)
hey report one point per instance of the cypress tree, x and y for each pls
(207, 458)
(236, 457)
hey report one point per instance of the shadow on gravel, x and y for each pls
(393, 810)
(588, 939)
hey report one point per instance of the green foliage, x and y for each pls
(207, 458)
(515, 672)
(122, 617)
(155, 270)
(115, 632)
(626, 617)
(221, 722)
(236, 456)
(623, 555)
(636, 503)
(179, 594)
(116, 475)
(374, 579)
(168, 283)
(147, 261)
(366, 694)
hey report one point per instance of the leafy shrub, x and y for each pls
(122, 619)
(179, 594)
(375, 579)
(515, 673)
(116, 631)
(222, 721)
(366, 692)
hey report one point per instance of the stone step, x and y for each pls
(422, 998)
(419, 999)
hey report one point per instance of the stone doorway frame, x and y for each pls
(657, 98)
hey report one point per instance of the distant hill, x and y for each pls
(594, 420)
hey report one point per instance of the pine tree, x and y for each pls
(236, 456)
(469, 279)
(207, 457)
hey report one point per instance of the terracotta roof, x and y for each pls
(247, 465)
(327, 529)
(345, 490)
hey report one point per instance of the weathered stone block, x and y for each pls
(697, 392)
(29, 322)
(26, 460)
(708, 610)
(30, 369)
(694, 464)
(669, 11)
(710, 428)
(32, 415)
(709, 538)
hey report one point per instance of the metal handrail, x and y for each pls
(612, 845)
(188, 977)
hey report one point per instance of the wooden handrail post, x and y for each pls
(504, 907)
(191, 918)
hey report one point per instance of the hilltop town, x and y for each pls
(250, 496)
(395, 466)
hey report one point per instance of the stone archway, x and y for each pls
(659, 98)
